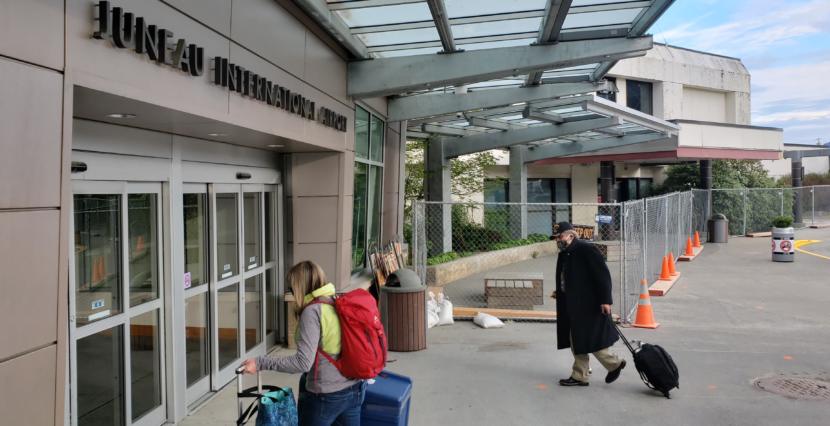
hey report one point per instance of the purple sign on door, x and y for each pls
(187, 280)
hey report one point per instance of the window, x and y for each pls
(368, 185)
(540, 219)
(638, 95)
(627, 189)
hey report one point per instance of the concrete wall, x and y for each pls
(780, 168)
(690, 85)
(702, 135)
(33, 213)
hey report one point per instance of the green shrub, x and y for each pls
(474, 238)
(782, 222)
(442, 258)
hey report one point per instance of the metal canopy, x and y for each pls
(484, 74)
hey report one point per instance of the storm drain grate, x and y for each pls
(811, 388)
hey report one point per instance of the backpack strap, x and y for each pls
(319, 301)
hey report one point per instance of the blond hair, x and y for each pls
(304, 278)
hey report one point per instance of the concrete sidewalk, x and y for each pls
(733, 317)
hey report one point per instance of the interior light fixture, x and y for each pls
(276, 146)
(120, 115)
(217, 135)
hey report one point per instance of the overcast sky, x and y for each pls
(785, 45)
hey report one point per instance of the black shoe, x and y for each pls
(613, 375)
(570, 381)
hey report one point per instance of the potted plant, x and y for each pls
(783, 239)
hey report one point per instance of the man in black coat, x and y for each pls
(583, 306)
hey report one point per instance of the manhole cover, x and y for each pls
(812, 388)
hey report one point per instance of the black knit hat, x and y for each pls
(561, 227)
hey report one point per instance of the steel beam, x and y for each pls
(647, 17)
(331, 22)
(488, 141)
(447, 130)
(494, 123)
(555, 13)
(389, 76)
(567, 149)
(605, 107)
(547, 117)
(422, 106)
(368, 3)
(442, 24)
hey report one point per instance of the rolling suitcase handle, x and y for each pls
(622, 336)
(244, 393)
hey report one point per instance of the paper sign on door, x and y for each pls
(187, 280)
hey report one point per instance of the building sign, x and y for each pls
(127, 31)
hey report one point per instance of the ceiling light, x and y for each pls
(276, 146)
(217, 135)
(120, 115)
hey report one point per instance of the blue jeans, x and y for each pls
(341, 408)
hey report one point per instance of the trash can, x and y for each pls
(387, 400)
(718, 229)
(783, 244)
(403, 310)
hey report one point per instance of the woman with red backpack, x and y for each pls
(326, 396)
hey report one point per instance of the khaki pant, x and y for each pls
(605, 357)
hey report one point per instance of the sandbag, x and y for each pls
(484, 320)
(444, 310)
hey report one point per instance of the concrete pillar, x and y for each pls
(606, 181)
(437, 188)
(517, 191)
(797, 175)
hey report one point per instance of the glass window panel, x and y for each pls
(510, 26)
(384, 15)
(97, 256)
(253, 312)
(253, 228)
(270, 224)
(227, 308)
(638, 95)
(145, 363)
(461, 8)
(596, 19)
(361, 132)
(197, 343)
(100, 371)
(227, 235)
(376, 195)
(142, 215)
(376, 136)
(408, 52)
(495, 44)
(399, 37)
(195, 239)
(359, 215)
(270, 301)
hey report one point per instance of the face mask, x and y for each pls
(561, 244)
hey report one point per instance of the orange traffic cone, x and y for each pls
(689, 250)
(665, 275)
(645, 314)
(672, 270)
(697, 240)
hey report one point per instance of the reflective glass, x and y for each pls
(459, 8)
(253, 312)
(253, 228)
(361, 133)
(399, 37)
(100, 372)
(359, 215)
(197, 343)
(383, 15)
(376, 196)
(227, 235)
(195, 239)
(407, 52)
(495, 44)
(376, 136)
(227, 308)
(509, 26)
(97, 256)
(145, 363)
(270, 223)
(142, 227)
(596, 19)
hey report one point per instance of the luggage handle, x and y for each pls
(245, 414)
(622, 336)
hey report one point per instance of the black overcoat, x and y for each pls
(587, 286)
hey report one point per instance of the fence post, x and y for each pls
(781, 193)
(743, 192)
(645, 239)
(623, 269)
(666, 220)
(813, 191)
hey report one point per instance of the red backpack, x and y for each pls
(362, 339)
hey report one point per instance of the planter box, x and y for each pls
(439, 275)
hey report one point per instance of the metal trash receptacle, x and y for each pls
(718, 229)
(404, 311)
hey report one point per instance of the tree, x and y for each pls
(725, 174)
(467, 175)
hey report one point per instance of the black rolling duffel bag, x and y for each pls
(654, 364)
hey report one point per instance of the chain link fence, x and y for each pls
(499, 255)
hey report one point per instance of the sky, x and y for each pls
(784, 44)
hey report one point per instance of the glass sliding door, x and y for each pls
(116, 327)
(196, 280)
